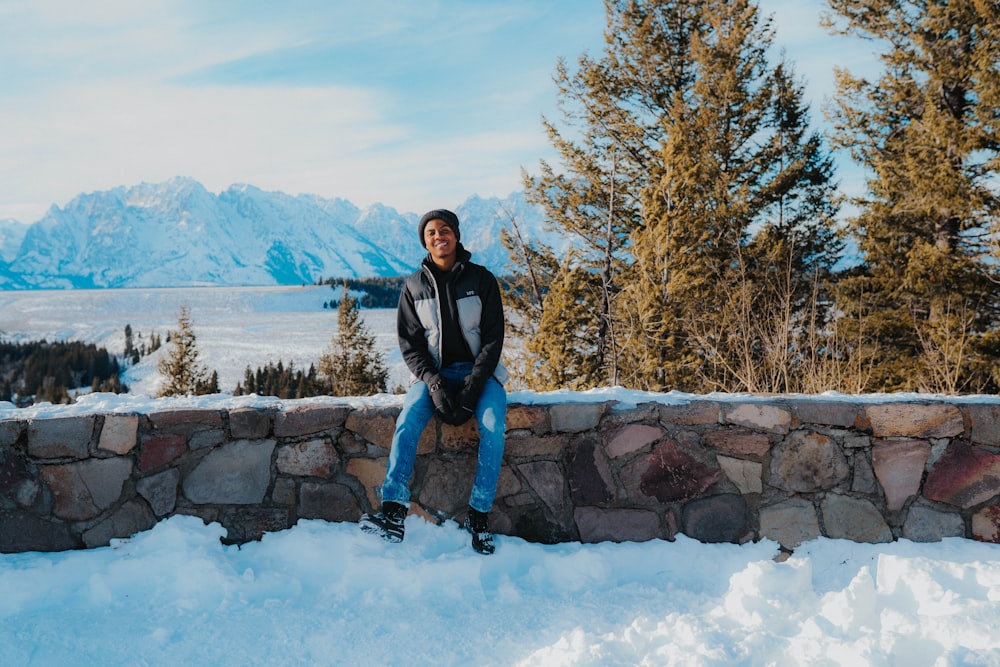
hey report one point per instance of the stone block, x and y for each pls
(185, 421)
(863, 477)
(914, 420)
(10, 431)
(632, 438)
(131, 518)
(19, 485)
(60, 437)
(312, 458)
(589, 475)
(158, 450)
(669, 474)
(246, 524)
(329, 501)
(738, 442)
(370, 473)
(531, 417)
(373, 424)
(235, 474)
(827, 413)
(854, 519)
(806, 462)
(722, 518)
(546, 479)
(576, 417)
(22, 531)
(616, 525)
(446, 485)
(523, 446)
(118, 434)
(284, 492)
(899, 467)
(249, 423)
(985, 423)
(695, 413)
(160, 491)
(207, 438)
(746, 475)
(965, 476)
(789, 523)
(309, 419)
(81, 491)
(760, 416)
(986, 524)
(457, 438)
(926, 524)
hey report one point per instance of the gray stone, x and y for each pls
(760, 416)
(249, 423)
(854, 519)
(806, 462)
(10, 431)
(332, 502)
(244, 524)
(446, 484)
(160, 491)
(22, 531)
(234, 474)
(546, 479)
(985, 421)
(721, 518)
(118, 434)
(789, 523)
(131, 518)
(207, 438)
(746, 475)
(830, 413)
(926, 524)
(616, 525)
(863, 480)
(589, 475)
(83, 490)
(62, 437)
(306, 419)
(576, 417)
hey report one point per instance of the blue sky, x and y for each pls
(412, 104)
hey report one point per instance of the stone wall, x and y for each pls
(730, 469)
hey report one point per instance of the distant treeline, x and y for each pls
(377, 292)
(42, 371)
(281, 381)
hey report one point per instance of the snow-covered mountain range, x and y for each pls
(178, 234)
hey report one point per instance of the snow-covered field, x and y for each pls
(235, 327)
(326, 594)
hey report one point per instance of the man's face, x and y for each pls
(439, 239)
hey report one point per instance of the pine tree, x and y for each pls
(352, 366)
(925, 303)
(701, 206)
(183, 373)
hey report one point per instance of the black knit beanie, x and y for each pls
(442, 214)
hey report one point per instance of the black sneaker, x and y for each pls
(386, 523)
(478, 523)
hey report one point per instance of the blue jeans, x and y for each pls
(418, 410)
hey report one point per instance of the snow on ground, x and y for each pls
(326, 594)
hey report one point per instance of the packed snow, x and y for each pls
(326, 594)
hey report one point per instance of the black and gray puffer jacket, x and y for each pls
(480, 314)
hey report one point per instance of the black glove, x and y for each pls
(465, 404)
(442, 401)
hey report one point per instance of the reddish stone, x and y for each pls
(530, 417)
(738, 442)
(632, 438)
(370, 473)
(374, 425)
(986, 524)
(159, 450)
(964, 477)
(914, 420)
(314, 458)
(899, 467)
(673, 475)
(985, 423)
